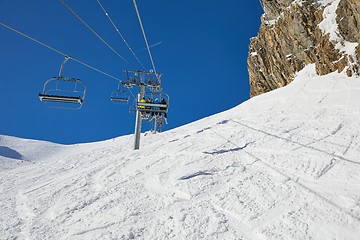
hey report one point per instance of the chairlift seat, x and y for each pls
(117, 99)
(57, 98)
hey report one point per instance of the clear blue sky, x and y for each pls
(203, 53)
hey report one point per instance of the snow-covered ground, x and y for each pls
(15, 151)
(283, 165)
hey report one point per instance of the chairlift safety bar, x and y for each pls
(140, 104)
(152, 110)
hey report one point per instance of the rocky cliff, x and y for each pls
(294, 33)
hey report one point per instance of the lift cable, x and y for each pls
(97, 35)
(143, 32)
(132, 94)
(59, 52)
(122, 37)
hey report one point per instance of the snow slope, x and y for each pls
(283, 165)
(15, 151)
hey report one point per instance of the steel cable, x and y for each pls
(146, 42)
(118, 31)
(97, 35)
(59, 52)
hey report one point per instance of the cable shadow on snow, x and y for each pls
(297, 143)
(10, 153)
(296, 180)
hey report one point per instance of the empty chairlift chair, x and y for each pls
(120, 96)
(62, 92)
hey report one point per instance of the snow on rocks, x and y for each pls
(330, 26)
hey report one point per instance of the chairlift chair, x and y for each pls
(155, 107)
(120, 96)
(61, 92)
(53, 93)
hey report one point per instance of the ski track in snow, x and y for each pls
(284, 165)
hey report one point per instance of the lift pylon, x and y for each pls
(151, 81)
(138, 121)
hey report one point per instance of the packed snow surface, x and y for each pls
(283, 165)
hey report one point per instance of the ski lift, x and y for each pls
(120, 96)
(61, 92)
(159, 103)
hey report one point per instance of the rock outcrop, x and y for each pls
(295, 33)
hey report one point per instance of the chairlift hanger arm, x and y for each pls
(62, 65)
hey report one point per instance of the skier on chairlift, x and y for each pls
(147, 107)
(154, 113)
(142, 101)
(156, 101)
(143, 114)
